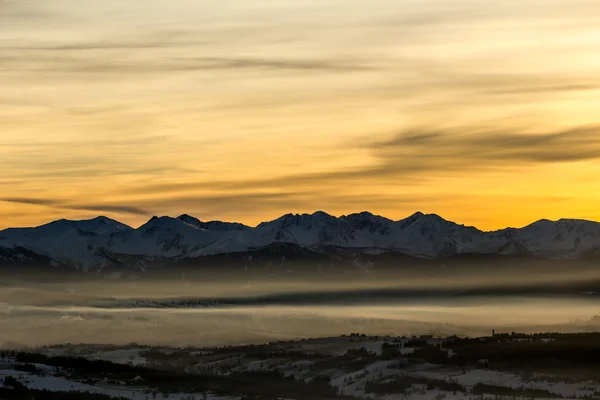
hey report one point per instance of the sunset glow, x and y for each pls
(485, 112)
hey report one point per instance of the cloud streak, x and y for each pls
(28, 60)
(30, 201)
(129, 155)
(66, 205)
(428, 154)
(455, 150)
(279, 64)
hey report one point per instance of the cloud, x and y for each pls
(426, 154)
(17, 60)
(308, 180)
(25, 11)
(278, 64)
(456, 150)
(65, 205)
(31, 201)
(543, 88)
(128, 155)
(507, 83)
(444, 85)
(122, 209)
(103, 45)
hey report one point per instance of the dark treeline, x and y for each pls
(15, 390)
(482, 388)
(537, 350)
(404, 382)
(249, 384)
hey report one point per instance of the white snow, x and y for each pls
(351, 382)
(57, 384)
(82, 243)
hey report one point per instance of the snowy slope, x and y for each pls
(420, 235)
(563, 238)
(164, 236)
(98, 242)
(66, 241)
(19, 256)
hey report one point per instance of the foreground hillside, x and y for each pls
(505, 366)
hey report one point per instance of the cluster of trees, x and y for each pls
(482, 388)
(515, 336)
(414, 342)
(4, 354)
(274, 384)
(432, 354)
(404, 382)
(15, 390)
(560, 354)
(391, 351)
(358, 353)
(79, 365)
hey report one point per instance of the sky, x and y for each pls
(484, 112)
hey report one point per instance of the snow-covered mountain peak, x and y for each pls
(101, 225)
(163, 223)
(369, 222)
(193, 221)
(187, 217)
(308, 221)
(563, 223)
(279, 220)
(578, 222)
(540, 224)
(422, 219)
(366, 216)
(321, 215)
(96, 226)
(416, 215)
(212, 225)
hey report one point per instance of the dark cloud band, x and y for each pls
(110, 208)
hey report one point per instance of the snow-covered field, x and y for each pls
(304, 360)
(44, 379)
(497, 378)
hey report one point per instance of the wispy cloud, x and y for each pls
(110, 208)
(428, 154)
(506, 83)
(68, 205)
(30, 201)
(131, 154)
(279, 64)
(457, 150)
(30, 61)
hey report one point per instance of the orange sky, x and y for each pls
(486, 112)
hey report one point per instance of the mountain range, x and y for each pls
(91, 245)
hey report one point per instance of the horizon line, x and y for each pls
(300, 214)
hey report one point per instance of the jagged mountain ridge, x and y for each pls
(102, 241)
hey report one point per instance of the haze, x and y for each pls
(121, 312)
